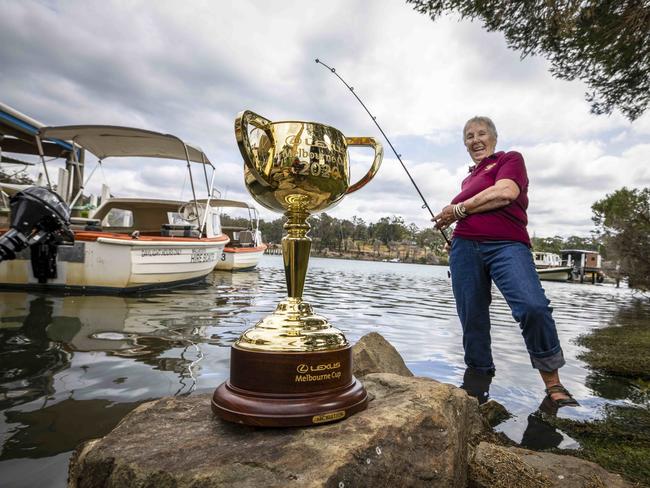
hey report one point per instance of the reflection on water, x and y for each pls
(73, 366)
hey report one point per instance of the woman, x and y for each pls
(491, 244)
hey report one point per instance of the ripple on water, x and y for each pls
(125, 350)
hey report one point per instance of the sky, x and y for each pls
(188, 68)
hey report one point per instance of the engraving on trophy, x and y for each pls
(328, 417)
(296, 168)
(318, 377)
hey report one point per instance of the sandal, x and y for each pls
(561, 402)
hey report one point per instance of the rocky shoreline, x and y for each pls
(415, 432)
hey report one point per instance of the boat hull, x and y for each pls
(555, 274)
(119, 264)
(240, 258)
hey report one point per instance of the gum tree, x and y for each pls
(605, 43)
(623, 221)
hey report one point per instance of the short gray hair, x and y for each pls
(482, 119)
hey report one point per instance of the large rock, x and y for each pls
(506, 467)
(374, 354)
(415, 432)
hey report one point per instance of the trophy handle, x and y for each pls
(241, 134)
(379, 154)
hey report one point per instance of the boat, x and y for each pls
(245, 248)
(550, 268)
(127, 244)
(585, 265)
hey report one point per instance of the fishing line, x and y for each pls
(398, 156)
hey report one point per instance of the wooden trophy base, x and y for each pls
(289, 389)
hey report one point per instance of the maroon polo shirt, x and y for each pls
(502, 224)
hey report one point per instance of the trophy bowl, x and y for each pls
(293, 368)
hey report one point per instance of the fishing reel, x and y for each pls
(40, 220)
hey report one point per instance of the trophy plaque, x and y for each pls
(293, 368)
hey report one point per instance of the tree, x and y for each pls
(325, 231)
(347, 231)
(548, 244)
(360, 229)
(577, 242)
(388, 229)
(604, 43)
(272, 231)
(623, 221)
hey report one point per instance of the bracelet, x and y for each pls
(459, 211)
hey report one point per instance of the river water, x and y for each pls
(73, 366)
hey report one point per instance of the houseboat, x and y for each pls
(586, 265)
(549, 267)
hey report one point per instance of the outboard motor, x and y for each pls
(40, 219)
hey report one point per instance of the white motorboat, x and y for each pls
(245, 248)
(129, 244)
(549, 267)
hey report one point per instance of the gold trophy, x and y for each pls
(293, 368)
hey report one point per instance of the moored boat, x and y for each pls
(245, 248)
(129, 244)
(586, 265)
(549, 267)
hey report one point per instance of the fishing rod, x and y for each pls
(398, 156)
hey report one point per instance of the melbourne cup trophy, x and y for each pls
(293, 368)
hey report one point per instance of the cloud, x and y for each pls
(189, 68)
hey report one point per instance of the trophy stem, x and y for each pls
(295, 251)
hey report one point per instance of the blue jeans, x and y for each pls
(509, 264)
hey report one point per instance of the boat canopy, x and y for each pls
(112, 141)
(218, 202)
(19, 133)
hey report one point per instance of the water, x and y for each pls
(73, 366)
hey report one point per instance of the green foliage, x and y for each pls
(272, 231)
(604, 43)
(548, 244)
(389, 230)
(346, 235)
(623, 222)
(620, 442)
(557, 243)
(228, 221)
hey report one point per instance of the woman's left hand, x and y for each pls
(445, 218)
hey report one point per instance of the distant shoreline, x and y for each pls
(431, 259)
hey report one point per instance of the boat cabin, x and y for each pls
(586, 264)
(546, 259)
(167, 218)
